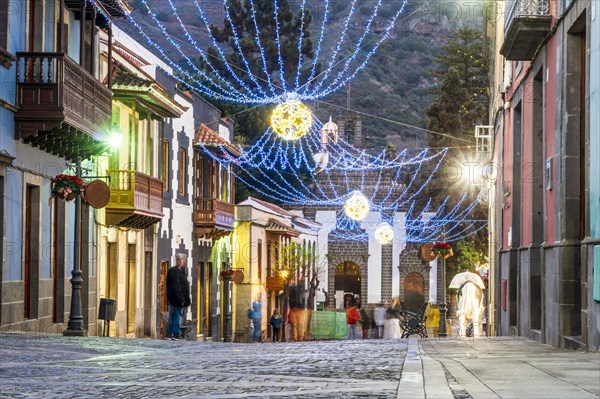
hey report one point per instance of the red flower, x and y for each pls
(66, 187)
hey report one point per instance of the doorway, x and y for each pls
(148, 293)
(131, 294)
(347, 280)
(414, 291)
(204, 296)
(31, 248)
(162, 295)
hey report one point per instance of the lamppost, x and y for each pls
(76, 326)
(442, 328)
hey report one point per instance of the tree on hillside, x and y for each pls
(459, 104)
(461, 97)
(252, 122)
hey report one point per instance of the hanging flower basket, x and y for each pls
(226, 275)
(67, 187)
(442, 250)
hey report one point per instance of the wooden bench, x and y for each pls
(185, 327)
(414, 323)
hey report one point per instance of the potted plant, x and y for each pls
(442, 250)
(67, 187)
(226, 275)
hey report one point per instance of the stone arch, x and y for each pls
(340, 252)
(411, 265)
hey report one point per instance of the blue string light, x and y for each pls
(235, 88)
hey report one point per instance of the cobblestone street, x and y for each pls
(52, 366)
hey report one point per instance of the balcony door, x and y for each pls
(35, 25)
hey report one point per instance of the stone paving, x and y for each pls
(53, 366)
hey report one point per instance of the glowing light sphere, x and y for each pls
(384, 234)
(357, 207)
(291, 120)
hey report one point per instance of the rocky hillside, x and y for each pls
(395, 86)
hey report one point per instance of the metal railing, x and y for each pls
(521, 8)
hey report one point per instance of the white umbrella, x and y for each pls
(461, 278)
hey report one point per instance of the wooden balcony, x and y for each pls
(526, 24)
(63, 109)
(213, 218)
(136, 199)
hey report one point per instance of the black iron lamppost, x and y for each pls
(76, 325)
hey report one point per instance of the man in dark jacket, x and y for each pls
(178, 295)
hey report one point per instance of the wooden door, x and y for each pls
(414, 291)
(205, 285)
(162, 294)
(111, 270)
(54, 260)
(27, 260)
(131, 292)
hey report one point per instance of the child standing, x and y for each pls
(276, 324)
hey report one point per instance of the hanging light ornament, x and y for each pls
(357, 207)
(291, 119)
(384, 234)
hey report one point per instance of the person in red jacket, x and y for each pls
(353, 319)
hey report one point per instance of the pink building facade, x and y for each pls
(543, 195)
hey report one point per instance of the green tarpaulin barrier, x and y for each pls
(328, 325)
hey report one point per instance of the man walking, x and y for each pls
(257, 319)
(178, 295)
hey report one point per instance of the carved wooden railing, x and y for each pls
(136, 191)
(52, 85)
(214, 212)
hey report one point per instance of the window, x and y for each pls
(259, 260)
(269, 259)
(4, 24)
(182, 171)
(165, 165)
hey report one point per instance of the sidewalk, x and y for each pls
(497, 368)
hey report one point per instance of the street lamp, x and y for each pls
(76, 326)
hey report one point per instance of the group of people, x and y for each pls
(384, 322)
